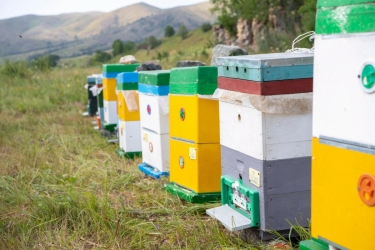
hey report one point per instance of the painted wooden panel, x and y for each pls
(341, 106)
(123, 110)
(110, 112)
(241, 128)
(130, 136)
(194, 118)
(154, 112)
(109, 89)
(266, 88)
(155, 149)
(338, 213)
(284, 190)
(267, 67)
(195, 166)
(262, 135)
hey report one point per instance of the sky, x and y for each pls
(13, 8)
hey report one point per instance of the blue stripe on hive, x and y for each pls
(154, 90)
(127, 77)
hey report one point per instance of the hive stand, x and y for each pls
(265, 135)
(154, 110)
(194, 135)
(343, 173)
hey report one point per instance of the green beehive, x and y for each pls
(194, 80)
(116, 68)
(154, 77)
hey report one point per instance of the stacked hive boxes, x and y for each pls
(129, 125)
(265, 136)
(194, 134)
(343, 172)
(92, 106)
(110, 72)
(154, 108)
(99, 97)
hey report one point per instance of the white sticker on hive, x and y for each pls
(145, 137)
(254, 177)
(193, 153)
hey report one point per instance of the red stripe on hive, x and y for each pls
(283, 87)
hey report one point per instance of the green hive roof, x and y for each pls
(114, 68)
(335, 3)
(194, 80)
(154, 77)
(356, 18)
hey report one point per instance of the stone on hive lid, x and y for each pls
(129, 59)
(224, 50)
(149, 66)
(189, 63)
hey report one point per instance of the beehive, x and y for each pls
(110, 72)
(92, 106)
(154, 110)
(343, 173)
(194, 131)
(99, 97)
(129, 125)
(265, 135)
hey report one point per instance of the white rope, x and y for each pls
(311, 35)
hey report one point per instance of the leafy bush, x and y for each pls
(15, 69)
(129, 48)
(46, 62)
(117, 47)
(183, 31)
(100, 57)
(169, 31)
(206, 27)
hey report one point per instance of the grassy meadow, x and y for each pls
(63, 187)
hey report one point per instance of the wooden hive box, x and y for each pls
(265, 137)
(154, 109)
(194, 130)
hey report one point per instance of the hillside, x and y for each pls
(82, 33)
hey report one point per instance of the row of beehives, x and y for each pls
(240, 132)
(263, 108)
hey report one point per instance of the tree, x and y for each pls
(117, 47)
(169, 31)
(308, 12)
(150, 43)
(182, 31)
(206, 27)
(46, 62)
(101, 56)
(129, 47)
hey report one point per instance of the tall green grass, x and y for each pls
(63, 187)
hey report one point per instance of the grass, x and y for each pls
(63, 187)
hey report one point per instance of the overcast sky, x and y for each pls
(13, 8)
